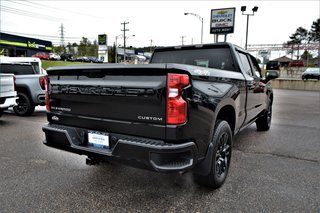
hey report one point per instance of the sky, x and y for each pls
(163, 22)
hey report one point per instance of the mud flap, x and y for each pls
(203, 168)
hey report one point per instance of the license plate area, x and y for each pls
(98, 139)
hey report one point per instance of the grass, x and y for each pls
(47, 63)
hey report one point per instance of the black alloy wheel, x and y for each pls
(221, 157)
(24, 106)
(264, 122)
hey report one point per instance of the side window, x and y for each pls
(255, 66)
(245, 63)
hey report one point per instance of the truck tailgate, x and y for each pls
(115, 100)
(7, 86)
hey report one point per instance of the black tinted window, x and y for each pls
(219, 58)
(17, 69)
(245, 64)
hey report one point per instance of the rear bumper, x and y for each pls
(133, 151)
(8, 102)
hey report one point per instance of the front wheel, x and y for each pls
(24, 105)
(221, 156)
(263, 123)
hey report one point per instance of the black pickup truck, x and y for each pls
(178, 113)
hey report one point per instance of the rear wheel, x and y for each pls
(222, 145)
(263, 123)
(1, 112)
(24, 105)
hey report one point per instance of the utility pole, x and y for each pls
(151, 44)
(61, 30)
(182, 39)
(124, 39)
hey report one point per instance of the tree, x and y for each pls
(315, 31)
(59, 49)
(306, 55)
(112, 54)
(83, 47)
(296, 38)
(93, 48)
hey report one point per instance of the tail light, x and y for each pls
(176, 105)
(46, 87)
(14, 83)
(42, 82)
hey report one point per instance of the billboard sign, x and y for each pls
(222, 20)
(102, 39)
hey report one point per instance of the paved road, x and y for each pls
(272, 171)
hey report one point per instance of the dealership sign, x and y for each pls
(103, 47)
(102, 39)
(222, 21)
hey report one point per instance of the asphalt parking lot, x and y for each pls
(274, 171)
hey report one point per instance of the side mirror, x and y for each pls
(271, 74)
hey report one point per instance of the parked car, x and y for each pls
(35, 62)
(82, 59)
(41, 55)
(296, 63)
(311, 73)
(93, 59)
(66, 57)
(273, 65)
(30, 87)
(54, 56)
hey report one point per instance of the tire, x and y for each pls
(221, 156)
(263, 123)
(1, 112)
(24, 105)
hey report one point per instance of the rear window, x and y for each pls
(17, 69)
(219, 58)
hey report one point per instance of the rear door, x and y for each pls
(254, 103)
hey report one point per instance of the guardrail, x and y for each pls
(295, 84)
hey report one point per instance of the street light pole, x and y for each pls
(201, 19)
(243, 9)
(247, 31)
(116, 55)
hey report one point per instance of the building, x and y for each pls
(14, 45)
(283, 61)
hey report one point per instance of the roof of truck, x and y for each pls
(197, 46)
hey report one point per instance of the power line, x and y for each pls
(59, 9)
(45, 36)
(28, 14)
(61, 35)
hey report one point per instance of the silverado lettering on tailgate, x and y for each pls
(100, 90)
